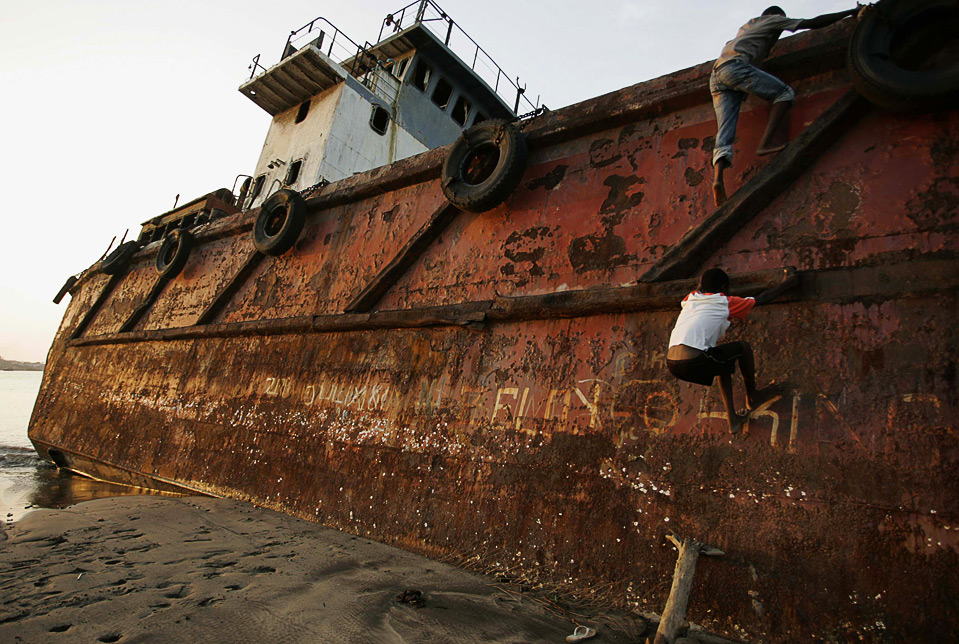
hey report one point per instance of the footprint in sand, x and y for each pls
(109, 637)
(179, 593)
(60, 628)
(209, 601)
(218, 564)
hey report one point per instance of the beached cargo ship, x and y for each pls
(343, 343)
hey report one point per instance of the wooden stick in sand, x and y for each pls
(673, 621)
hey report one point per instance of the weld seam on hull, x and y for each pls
(838, 285)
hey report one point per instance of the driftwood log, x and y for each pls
(673, 623)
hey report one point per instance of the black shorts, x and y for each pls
(718, 361)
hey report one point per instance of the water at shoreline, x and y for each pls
(26, 481)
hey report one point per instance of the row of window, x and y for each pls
(442, 93)
(423, 74)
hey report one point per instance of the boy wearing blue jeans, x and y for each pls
(694, 353)
(736, 73)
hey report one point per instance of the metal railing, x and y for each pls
(374, 73)
(431, 16)
(343, 50)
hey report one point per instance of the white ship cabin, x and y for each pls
(339, 108)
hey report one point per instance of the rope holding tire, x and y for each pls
(904, 55)
(280, 222)
(173, 253)
(485, 165)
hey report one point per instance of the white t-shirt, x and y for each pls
(705, 318)
(756, 38)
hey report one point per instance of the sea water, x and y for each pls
(26, 481)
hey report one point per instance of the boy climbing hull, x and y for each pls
(505, 402)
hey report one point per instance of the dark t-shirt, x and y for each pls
(756, 38)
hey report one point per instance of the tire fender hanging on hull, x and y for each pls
(280, 222)
(904, 55)
(484, 166)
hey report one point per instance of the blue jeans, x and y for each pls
(729, 84)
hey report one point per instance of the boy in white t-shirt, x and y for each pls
(695, 354)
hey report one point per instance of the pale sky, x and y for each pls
(112, 108)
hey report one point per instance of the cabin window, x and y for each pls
(480, 117)
(294, 172)
(380, 119)
(400, 67)
(461, 110)
(422, 75)
(302, 112)
(257, 187)
(442, 93)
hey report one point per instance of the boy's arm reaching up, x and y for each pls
(790, 280)
(827, 19)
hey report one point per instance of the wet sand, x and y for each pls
(27, 483)
(197, 569)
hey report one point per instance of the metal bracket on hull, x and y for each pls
(146, 305)
(223, 297)
(411, 251)
(98, 304)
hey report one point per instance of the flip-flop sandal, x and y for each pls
(581, 633)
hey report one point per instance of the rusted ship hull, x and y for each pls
(506, 399)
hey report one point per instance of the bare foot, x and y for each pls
(762, 396)
(770, 149)
(736, 422)
(719, 194)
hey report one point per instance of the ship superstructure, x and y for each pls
(339, 107)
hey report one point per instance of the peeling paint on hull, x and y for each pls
(559, 447)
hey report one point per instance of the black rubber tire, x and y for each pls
(883, 38)
(280, 222)
(173, 253)
(499, 136)
(119, 258)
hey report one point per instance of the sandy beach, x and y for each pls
(198, 569)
